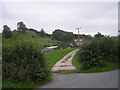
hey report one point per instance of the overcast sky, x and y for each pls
(93, 17)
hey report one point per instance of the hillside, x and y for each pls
(0, 48)
(30, 36)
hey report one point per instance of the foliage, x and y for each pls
(27, 84)
(33, 30)
(21, 27)
(62, 35)
(42, 33)
(98, 35)
(118, 47)
(39, 33)
(83, 36)
(61, 45)
(92, 53)
(110, 65)
(23, 61)
(39, 43)
(7, 31)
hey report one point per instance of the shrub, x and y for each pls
(7, 32)
(24, 61)
(92, 53)
(88, 55)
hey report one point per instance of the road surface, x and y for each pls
(82, 80)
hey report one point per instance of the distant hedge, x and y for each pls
(23, 61)
(91, 53)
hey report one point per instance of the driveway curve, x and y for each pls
(65, 64)
(85, 80)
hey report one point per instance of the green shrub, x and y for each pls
(88, 55)
(23, 61)
(115, 49)
(92, 53)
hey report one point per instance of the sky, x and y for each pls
(92, 17)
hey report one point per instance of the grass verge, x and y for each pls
(28, 85)
(65, 72)
(109, 67)
(75, 61)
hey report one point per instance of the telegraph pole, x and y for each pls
(78, 32)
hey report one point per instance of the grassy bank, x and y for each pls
(30, 37)
(75, 61)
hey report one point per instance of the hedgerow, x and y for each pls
(93, 52)
(23, 61)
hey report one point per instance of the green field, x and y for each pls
(30, 36)
(55, 56)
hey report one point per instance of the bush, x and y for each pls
(24, 61)
(62, 45)
(92, 53)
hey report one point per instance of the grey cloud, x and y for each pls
(91, 16)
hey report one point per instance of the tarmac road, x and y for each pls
(85, 80)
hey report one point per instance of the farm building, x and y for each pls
(78, 42)
(47, 49)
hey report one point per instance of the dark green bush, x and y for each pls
(93, 52)
(23, 61)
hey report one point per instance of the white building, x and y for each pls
(47, 49)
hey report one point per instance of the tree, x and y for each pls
(119, 33)
(33, 30)
(98, 35)
(7, 31)
(62, 35)
(42, 33)
(21, 27)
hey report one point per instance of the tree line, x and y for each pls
(58, 34)
(21, 27)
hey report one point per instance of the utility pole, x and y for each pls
(78, 32)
